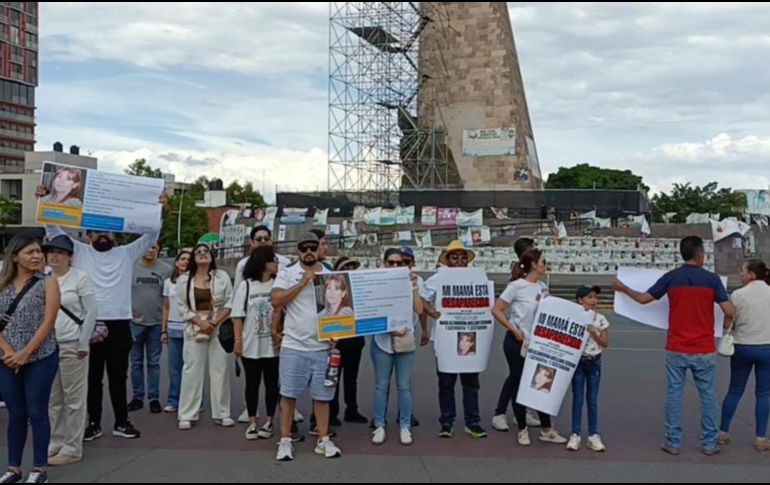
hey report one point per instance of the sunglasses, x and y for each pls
(311, 248)
(349, 267)
(408, 262)
(202, 251)
(394, 264)
(262, 239)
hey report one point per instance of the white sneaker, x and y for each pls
(406, 437)
(285, 450)
(298, 418)
(327, 449)
(553, 436)
(225, 423)
(379, 436)
(595, 443)
(252, 433)
(574, 442)
(533, 420)
(523, 438)
(244, 417)
(500, 423)
(2, 404)
(185, 425)
(170, 410)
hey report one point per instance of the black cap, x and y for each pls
(585, 290)
(62, 242)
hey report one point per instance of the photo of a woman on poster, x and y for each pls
(66, 187)
(466, 344)
(544, 377)
(336, 297)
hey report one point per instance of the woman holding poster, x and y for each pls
(515, 310)
(396, 351)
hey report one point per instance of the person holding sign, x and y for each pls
(110, 269)
(304, 358)
(396, 351)
(692, 292)
(585, 382)
(520, 300)
(454, 256)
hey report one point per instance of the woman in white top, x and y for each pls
(74, 325)
(203, 296)
(522, 297)
(386, 358)
(173, 331)
(253, 317)
(752, 351)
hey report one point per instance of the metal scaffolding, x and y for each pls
(375, 141)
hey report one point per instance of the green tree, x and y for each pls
(686, 199)
(141, 168)
(195, 221)
(237, 194)
(585, 176)
(9, 214)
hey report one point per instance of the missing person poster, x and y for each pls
(465, 330)
(555, 349)
(99, 201)
(359, 303)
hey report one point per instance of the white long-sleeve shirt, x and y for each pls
(110, 272)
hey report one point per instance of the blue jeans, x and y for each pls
(175, 365)
(746, 358)
(585, 386)
(146, 338)
(703, 367)
(446, 397)
(27, 395)
(384, 364)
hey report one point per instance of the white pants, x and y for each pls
(196, 356)
(68, 410)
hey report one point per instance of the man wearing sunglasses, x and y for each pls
(455, 256)
(303, 357)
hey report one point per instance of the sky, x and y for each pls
(674, 92)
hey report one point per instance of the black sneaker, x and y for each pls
(296, 436)
(336, 422)
(126, 431)
(475, 431)
(37, 476)
(93, 432)
(135, 405)
(446, 431)
(155, 407)
(415, 422)
(11, 477)
(355, 418)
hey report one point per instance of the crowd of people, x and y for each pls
(72, 310)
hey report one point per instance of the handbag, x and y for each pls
(726, 347)
(227, 328)
(404, 344)
(101, 332)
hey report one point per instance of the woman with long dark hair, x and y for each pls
(29, 304)
(515, 310)
(253, 316)
(204, 294)
(173, 330)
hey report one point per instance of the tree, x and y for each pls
(585, 176)
(9, 214)
(686, 199)
(195, 221)
(244, 195)
(141, 168)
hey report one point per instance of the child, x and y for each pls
(585, 383)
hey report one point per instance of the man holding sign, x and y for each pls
(456, 256)
(692, 292)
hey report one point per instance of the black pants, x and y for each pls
(351, 351)
(512, 349)
(114, 354)
(255, 370)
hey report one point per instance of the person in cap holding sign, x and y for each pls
(585, 383)
(303, 357)
(74, 325)
(455, 256)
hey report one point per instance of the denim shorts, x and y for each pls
(302, 370)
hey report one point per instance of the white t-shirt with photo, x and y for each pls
(592, 348)
(524, 298)
(283, 262)
(257, 318)
(300, 330)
